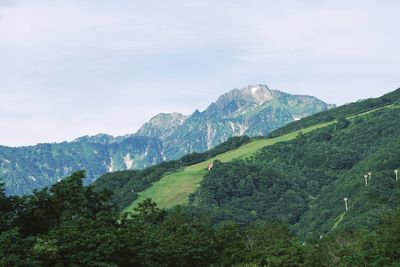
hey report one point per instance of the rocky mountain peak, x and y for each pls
(162, 124)
(251, 95)
(98, 138)
(166, 120)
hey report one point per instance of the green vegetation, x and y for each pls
(356, 108)
(72, 225)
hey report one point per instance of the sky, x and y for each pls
(81, 67)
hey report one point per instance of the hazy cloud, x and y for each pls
(70, 68)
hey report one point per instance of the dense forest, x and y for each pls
(73, 225)
(351, 109)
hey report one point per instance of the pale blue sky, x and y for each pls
(76, 67)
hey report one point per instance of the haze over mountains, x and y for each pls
(254, 110)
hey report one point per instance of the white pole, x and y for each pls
(366, 180)
(369, 175)
(396, 172)
(345, 202)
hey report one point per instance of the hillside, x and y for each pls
(253, 110)
(26, 168)
(300, 177)
(174, 189)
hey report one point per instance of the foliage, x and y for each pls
(352, 109)
(303, 182)
(82, 234)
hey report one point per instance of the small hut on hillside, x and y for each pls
(210, 166)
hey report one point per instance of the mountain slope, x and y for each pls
(253, 110)
(26, 168)
(302, 181)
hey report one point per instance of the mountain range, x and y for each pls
(254, 110)
(328, 172)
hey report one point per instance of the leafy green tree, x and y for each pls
(5, 207)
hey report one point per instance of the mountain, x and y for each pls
(254, 110)
(300, 175)
(26, 168)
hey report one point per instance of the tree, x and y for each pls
(4, 208)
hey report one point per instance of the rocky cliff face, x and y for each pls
(253, 110)
(162, 125)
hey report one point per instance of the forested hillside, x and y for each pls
(72, 225)
(304, 182)
(351, 109)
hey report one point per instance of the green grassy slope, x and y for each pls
(174, 189)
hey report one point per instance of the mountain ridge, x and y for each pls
(253, 110)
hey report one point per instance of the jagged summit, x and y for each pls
(166, 120)
(259, 93)
(249, 96)
(252, 94)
